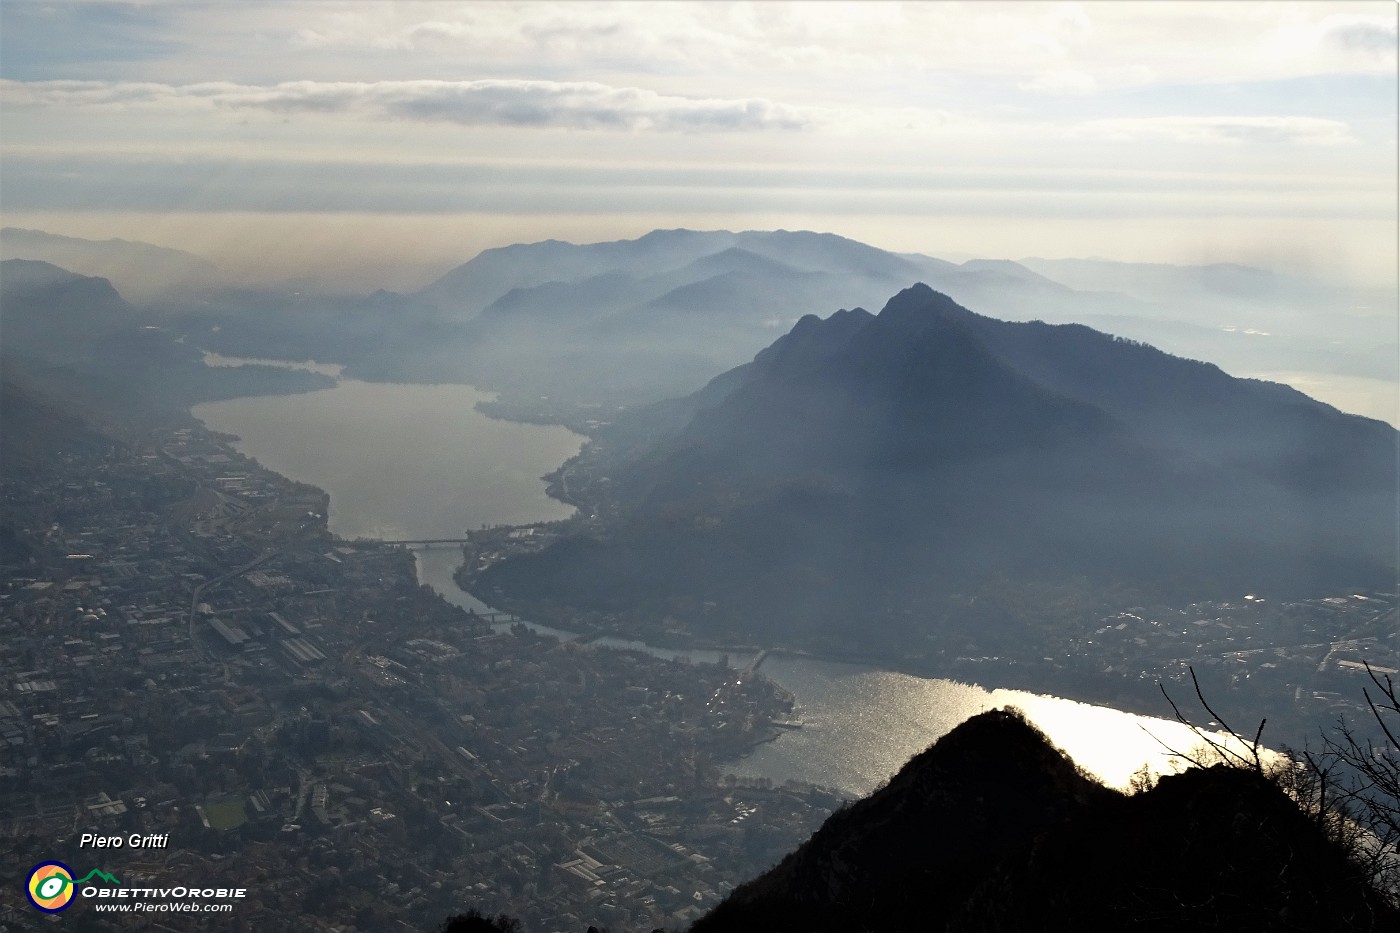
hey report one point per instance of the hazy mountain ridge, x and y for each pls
(870, 467)
(992, 828)
(468, 289)
(74, 340)
(1147, 280)
(609, 294)
(630, 322)
(140, 270)
(1244, 318)
(59, 315)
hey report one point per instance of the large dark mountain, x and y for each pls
(873, 465)
(994, 829)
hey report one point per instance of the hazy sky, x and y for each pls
(358, 135)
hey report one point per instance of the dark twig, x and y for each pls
(1222, 750)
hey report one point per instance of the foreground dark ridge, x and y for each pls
(994, 829)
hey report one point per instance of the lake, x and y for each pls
(402, 461)
(418, 461)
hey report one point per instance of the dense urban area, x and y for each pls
(185, 652)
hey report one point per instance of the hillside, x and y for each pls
(993, 829)
(74, 338)
(868, 467)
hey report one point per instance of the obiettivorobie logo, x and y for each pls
(51, 885)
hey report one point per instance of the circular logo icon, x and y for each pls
(50, 887)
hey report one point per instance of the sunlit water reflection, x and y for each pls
(310, 366)
(861, 724)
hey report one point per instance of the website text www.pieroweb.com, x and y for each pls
(53, 887)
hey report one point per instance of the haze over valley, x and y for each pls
(564, 467)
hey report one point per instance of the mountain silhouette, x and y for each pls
(994, 829)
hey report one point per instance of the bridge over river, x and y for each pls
(411, 542)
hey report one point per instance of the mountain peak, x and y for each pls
(812, 341)
(951, 809)
(993, 828)
(921, 300)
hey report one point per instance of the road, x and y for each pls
(208, 585)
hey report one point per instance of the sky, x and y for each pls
(382, 143)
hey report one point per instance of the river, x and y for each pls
(418, 461)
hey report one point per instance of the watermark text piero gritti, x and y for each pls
(134, 841)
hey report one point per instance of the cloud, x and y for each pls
(1305, 131)
(1070, 19)
(1368, 34)
(1064, 81)
(1332, 42)
(441, 30)
(556, 104)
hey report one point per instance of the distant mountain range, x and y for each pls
(725, 294)
(140, 271)
(618, 323)
(994, 829)
(557, 326)
(672, 258)
(565, 331)
(862, 468)
(1223, 282)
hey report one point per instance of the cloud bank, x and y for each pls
(1305, 131)
(518, 103)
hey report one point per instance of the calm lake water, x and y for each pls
(416, 461)
(402, 461)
